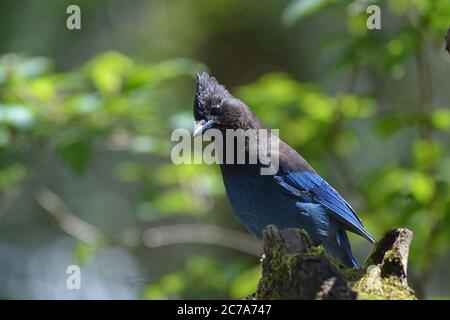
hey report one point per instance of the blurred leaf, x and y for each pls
(169, 69)
(169, 286)
(354, 51)
(299, 9)
(426, 153)
(422, 186)
(154, 292)
(108, 70)
(246, 283)
(399, 50)
(389, 124)
(441, 119)
(83, 252)
(354, 107)
(172, 283)
(402, 6)
(303, 130)
(43, 88)
(439, 15)
(356, 24)
(75, 154)
(200, 276)
(173, 202)
(275, 89)
(12, 174)
(318, 106)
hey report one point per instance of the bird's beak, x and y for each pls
(201, 126)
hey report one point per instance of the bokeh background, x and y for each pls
(86, 118)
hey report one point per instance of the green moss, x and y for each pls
(281, 271)
(353, 275)
(278, 265)
(319, 250)
(371, 286)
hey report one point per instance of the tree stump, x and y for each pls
(292, 268)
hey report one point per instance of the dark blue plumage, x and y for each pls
(296, 196)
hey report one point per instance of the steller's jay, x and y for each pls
(294, 196)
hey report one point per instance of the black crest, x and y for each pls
(208, 91)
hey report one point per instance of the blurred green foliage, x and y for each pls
(203, 277)
(115, 104)
(110, 103)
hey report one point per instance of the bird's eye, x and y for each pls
(215, 109)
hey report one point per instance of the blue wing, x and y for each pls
(310, 185)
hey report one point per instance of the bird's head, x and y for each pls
(215, 107)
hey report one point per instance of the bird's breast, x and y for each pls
(257, 201)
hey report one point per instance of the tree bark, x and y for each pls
(292, 268)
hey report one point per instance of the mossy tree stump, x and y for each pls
(292, 268)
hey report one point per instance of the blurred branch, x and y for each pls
(201, 233)
(153, 237)
(353, 79)
(425, 96)
(71, 224)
